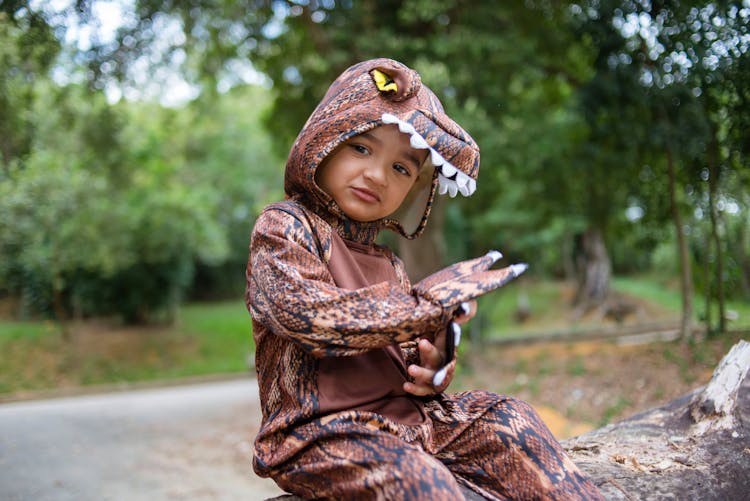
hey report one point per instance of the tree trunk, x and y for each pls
(594, 271)
(713, 183)
(58, 307)
(742, 258)
(695, 447)
(707, 284)
(686, 282)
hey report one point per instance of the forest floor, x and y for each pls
(580, 386)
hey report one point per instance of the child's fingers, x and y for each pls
(429, 356)
(423, 383)
(422, 375)
(419, 390)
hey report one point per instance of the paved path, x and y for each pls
(178, 443)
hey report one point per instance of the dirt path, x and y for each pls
(186, 442)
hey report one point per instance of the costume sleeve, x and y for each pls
(410, 352)
(467, 280)
(291, 291)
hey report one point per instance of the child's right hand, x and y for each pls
(467, 280)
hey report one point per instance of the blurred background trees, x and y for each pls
(613, 137)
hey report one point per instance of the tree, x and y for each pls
(28, 48)
(495, 66)
(674, 53)
(573, 104)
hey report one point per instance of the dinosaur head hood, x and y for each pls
(365, 96)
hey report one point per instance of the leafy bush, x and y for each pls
(69, 241)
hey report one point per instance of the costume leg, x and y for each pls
(366, 464)
(506, 452)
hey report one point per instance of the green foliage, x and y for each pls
(28, 48)
(67, 231)
(576, 107)
(208, 339)
(115, 206)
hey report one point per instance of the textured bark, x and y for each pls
(695, 447)
(594, 271)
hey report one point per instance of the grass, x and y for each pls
(665, 293)
(497, 310)
(208, 339)
(652, 289)
(549, 303)
(223, 331)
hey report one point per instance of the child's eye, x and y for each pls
(401, 169)
(360, 149)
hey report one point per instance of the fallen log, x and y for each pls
(695, 447)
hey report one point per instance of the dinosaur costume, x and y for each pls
(336, 320)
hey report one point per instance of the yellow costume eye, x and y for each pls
(384, 82)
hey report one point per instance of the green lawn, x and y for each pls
(665, 293)
(223, 331)
(207, 339)
(549, 304)
(661, 292)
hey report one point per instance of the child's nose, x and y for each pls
(376, 172)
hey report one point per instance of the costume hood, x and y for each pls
(365, 96)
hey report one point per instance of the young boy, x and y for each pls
(347, 350)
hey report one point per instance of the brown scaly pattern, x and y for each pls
(493, 444)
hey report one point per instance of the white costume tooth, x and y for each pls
(496, 255)
(390, 119)
(463, 183)
(406, 128)
(448, 170)
(418, 142)
(456, 333)
(452, 188)
(518, 269)
(465, 308)
(437, 158)
(461, 179)
(443, 183)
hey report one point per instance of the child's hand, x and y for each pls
(431, 360)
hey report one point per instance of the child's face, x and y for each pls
(371, 174)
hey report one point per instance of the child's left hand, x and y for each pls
(432, 360)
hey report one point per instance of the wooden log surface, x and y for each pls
(669, 452)
(695, 447)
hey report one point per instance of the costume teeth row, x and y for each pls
(450, 179)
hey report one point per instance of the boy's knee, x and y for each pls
(421, 475)
(516, 407)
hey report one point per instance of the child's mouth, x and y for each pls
(366, 195)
